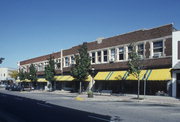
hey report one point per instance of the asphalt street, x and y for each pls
(19, 109)
(57, 107)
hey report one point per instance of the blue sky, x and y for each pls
(32, 28)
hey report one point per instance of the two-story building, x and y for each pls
(109, 57)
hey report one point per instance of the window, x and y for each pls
(130, 48)
(121, 53)
(113, 54)
(99, 56)
(66, 61)
(157, 49)
(72, 60)
(105, 55)
(140, 50)
(93, 56)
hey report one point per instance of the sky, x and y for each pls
(32, 28)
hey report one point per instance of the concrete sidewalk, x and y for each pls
(131, 98)
(119, 97)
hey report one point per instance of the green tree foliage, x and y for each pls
(14, 74)
(1, 60)
(80, 71)
(21, 75)
(32, 75)
(135, 65)
(50, 71)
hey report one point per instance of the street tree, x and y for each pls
(14, 74)
(50, 72)
(80, 70)
(21, 75)
(1, 60)
(33, 75)
(135, 65)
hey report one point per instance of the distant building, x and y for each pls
(5, 74)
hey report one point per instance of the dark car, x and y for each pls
(16, 87)
(8, 87)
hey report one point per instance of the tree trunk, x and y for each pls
(80, 87)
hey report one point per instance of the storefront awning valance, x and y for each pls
(154, 75)
(114, 75)
(160, 74)
(41, 80)
(68, 78)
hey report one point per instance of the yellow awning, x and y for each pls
(101, 75)
(26, 80)
(18, 81)
(117, 75)
(64, 78)
(114, 75)
(160, 74)
(143, 75)
(41, 80)
(58, 78)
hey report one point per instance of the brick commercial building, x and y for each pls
(109, 57)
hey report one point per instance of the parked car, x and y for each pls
(8, 87)
(16, 88)
(2, 86)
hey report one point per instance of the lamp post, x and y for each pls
(92, 73)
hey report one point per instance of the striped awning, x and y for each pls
(153, 75)
(41, 80)
(144, 74)
(160, 74)
(26, 80)
(114, 75)
(68, 78)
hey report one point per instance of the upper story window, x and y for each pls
(93, 57)
(99, 56)
(121, 53)
(66, 61)
(72, 60)
(157, 49)
(130, 48)
(105, 56)
(140, 50)
(113, 54)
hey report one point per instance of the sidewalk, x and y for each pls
(132, 98)
(166, 100)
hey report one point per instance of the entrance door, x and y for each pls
(178, 85)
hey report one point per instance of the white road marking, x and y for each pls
(44, 105)
(99, 118)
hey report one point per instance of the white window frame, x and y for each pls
(121, 53)
(66, 64)
(159, 54)
(106, 55)
(143, 55)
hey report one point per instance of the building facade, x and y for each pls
(110, 56)
(176, 64)
(5, 74)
